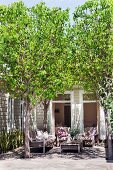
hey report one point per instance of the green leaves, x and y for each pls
(34, 47)
(92, 40)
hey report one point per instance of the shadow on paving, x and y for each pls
(87, 153)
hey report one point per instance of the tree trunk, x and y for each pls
(26, 131)
(109, 149)
(46, 105)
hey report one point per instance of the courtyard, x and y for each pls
(91, 158)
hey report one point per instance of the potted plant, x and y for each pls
(74, 132)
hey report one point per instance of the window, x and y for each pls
(89, 97)
(10, 113)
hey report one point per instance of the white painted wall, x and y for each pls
(39, 115)
(81, 110)
(102, 129)
(73, 118)
(51, 118)
(77, 109)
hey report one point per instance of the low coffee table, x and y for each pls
(77, 146)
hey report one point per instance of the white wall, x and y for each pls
(77, 109)
(102, 129)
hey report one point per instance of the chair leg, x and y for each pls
(58, 142)
(44, 146)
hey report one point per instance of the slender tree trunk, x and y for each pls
(109, 149)
(27, 116)
(46, 105)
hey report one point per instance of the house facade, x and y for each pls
(75, 109)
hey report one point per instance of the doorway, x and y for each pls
(90, 114)
(67, 115)
(62, 112)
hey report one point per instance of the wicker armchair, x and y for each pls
(39, 139)
(89, 136)
(61, 134)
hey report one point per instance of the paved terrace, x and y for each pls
(89, 159)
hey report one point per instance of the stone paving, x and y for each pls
(89, 159)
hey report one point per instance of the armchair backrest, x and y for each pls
(90, 131)
(61, 131)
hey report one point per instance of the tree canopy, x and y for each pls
(93, 42)
(34, 49)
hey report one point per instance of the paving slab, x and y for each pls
(55, 164)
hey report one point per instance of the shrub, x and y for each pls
(11, 140)
(74, 132)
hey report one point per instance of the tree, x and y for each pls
(33, 53)
(53, 50)
(93, 54)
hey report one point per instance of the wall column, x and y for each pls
(81, 110)
(51, 118)
(102, 130)
(72, 110)
(77, 109)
